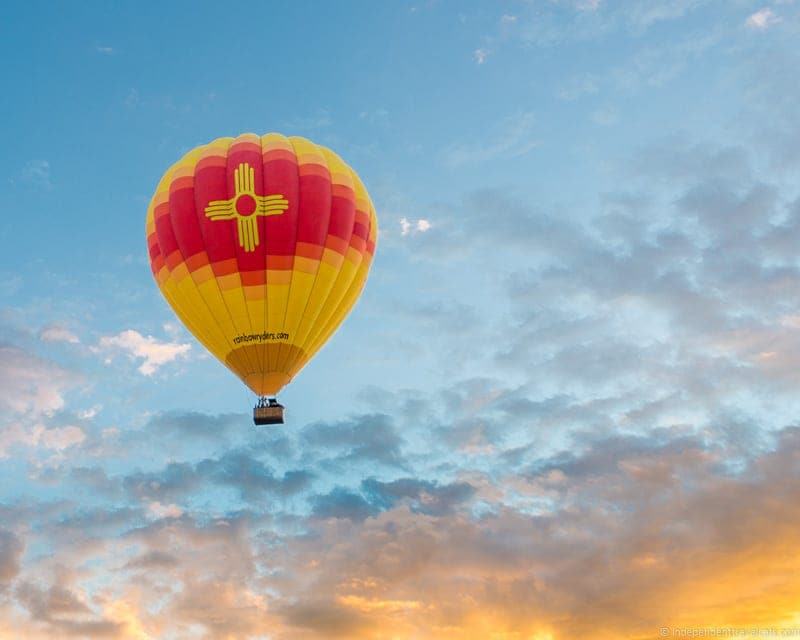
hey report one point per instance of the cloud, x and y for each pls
(132, 98)
(31, 385)
(440, 317)
(11, 548)
(605, 116)
(191, 424)
(676, 160)
(224, 610)
(154, 352)
(622, 503)
(36, 173)
(643, 14)
(565, 543)
(375, 496)
(96, 479)
(57, 333)
(511, 138)
(152, 559)
(63, 612)
(667, 300)
(561, 22)
(60, 438)
(463, 226)
(175, 479)
(656, 65)
(107, 51)
(577, 86)
(762, 19)
(421, 225)
(91, 412)
(341, 503)
(157, 510)
(480, 55)
(251, 476)
(773, 122)
(237, 469)
(421, 496)
(368, 438)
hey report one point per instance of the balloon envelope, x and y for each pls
(261, 245)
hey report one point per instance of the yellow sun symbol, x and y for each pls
(245, 206)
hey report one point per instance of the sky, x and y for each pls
(566, 403)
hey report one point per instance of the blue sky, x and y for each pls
(577, 352)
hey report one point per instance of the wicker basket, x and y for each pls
(270, 414)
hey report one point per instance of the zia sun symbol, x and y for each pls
(246, 206)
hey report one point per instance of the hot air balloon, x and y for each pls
(261, 245)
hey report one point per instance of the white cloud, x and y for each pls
(172, 329)
(132, 99)
(512, 138)
(158, 511)
(106, 51)
(589, 5)
(57, 333)
(29, 384)
(605, 116)
(762, 19)
(480, 55)
(421, 225)
(643, 15)
(30, 389)
(60, 438)
(152, 351)
(37, 174)
(508, 19)
(14, 434)
(793, 321)
(91, 412)
(578, 86)
(56, 439)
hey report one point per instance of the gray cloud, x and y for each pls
(29, 384)
(252, 477)
(192, 424)
(234, 468)
(341, 503)
(370, 438)
(11, 548)
(152, 559)
(374, 496)
(63, 613)
(175, 479)
(423, 496)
